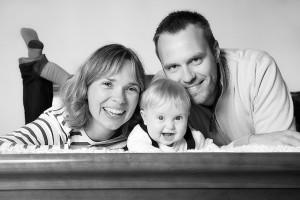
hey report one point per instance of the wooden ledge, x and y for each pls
(184, 174)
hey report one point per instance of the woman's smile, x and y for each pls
(116, 113)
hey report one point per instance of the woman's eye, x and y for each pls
(134, 89)
(108, 84)
(160, 117)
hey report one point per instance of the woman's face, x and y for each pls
(112, 101)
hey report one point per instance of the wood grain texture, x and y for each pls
(186, 174)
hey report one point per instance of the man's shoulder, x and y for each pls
(245, 54)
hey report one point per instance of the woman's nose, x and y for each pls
(119, 96)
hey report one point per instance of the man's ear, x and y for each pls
(143, 116)
(217, 51)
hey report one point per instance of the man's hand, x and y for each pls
(287, 137)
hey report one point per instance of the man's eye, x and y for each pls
(196, 61)
(172, 67)
(160, 117)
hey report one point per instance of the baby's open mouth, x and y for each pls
(168, 134)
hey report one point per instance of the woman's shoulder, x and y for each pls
(57, 114)
(55, 111)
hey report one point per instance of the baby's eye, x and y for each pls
(160, 117)
(178, 118)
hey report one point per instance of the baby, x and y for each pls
(165, 109)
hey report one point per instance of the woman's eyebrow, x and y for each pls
(110, 78)
(134, 84)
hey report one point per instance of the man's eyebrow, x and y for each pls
(197, 55)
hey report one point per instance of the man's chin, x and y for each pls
(199, 100)
(206, 99)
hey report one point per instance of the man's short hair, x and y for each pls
(179, 20)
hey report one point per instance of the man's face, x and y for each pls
(187, 59)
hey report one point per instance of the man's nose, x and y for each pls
(188, 76)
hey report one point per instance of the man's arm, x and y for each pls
(286, 137)
(273, 113)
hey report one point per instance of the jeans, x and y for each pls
(37, 91)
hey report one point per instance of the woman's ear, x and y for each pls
(217, 51)
(143, 116)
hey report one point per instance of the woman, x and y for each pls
(99, 104)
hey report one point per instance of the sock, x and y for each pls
(35, 47)
(54, 73)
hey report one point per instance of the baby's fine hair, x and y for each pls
(165, 91)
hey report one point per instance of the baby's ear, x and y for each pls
(143, 116)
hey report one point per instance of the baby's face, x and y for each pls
(166, 124)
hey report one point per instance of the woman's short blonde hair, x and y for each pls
(106, 61)
(165, 91)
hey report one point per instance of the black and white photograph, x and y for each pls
(139, 99)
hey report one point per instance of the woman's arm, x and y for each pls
(45, 130)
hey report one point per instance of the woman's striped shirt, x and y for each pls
(51, 129)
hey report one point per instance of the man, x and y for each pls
(239, 96)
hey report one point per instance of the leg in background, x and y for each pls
(37, 91)
(38, 76)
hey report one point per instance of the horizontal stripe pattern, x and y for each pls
(49, 130)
